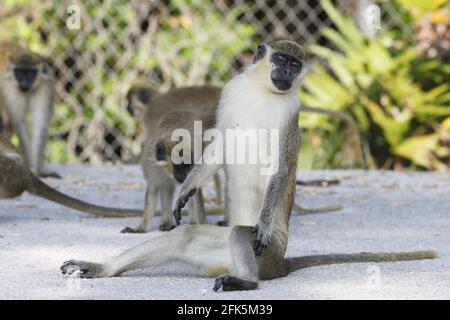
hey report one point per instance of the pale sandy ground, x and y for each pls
(384, 211)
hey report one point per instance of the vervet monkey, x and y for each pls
(27, 89)
(263, 96)
(149, 107)
(16, 178)
(163, 175)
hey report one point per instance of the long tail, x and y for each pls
(306, 211)
(293, 264)
(43, 190)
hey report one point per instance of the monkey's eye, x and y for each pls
(282, 58)
(296, 64)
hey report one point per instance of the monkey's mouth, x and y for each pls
(25, 87)
(282, 85)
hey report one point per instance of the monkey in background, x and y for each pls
(16, 178)
(27, 82)
(263, 96)
(148, 107)
(163, 175)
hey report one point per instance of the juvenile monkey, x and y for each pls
(160, 114)
(27, 88)
(263, 96)
(149, 106)
(163, 175)
(16, 178)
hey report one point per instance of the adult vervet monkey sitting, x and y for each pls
(148, 107)
(27, 82)
(262, 97)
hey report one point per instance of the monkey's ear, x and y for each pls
(51, 64)
(260, 53)
(144, 95)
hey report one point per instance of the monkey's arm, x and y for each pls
(199, 174)
(19, 126)
(271, 205)
(41, 111)
(195, 179)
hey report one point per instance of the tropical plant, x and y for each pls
(371, 78)
(168, 44)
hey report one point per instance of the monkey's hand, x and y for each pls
(263, 238)
(181, 202)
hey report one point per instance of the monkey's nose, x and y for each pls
(288, 73)
(160, 152)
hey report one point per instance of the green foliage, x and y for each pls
(374, 80)
(187, 43)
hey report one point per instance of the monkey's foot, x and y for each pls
(133, 230)
(166, 226)
(231, 283)
(84, 269)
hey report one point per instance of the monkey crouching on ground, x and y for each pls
(27, 82)
(263, 96)
(16, 178)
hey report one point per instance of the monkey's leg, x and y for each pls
(203, 248)
(167, 195)
(244, 269)
(41, 113)
(6, 130)
(197, 208)
(149, 211)
(218, 187)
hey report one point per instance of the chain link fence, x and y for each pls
(101, 47)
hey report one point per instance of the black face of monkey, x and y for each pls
(160, 152)
(285, 68)
(25, 77)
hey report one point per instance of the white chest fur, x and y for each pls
(248, 107)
